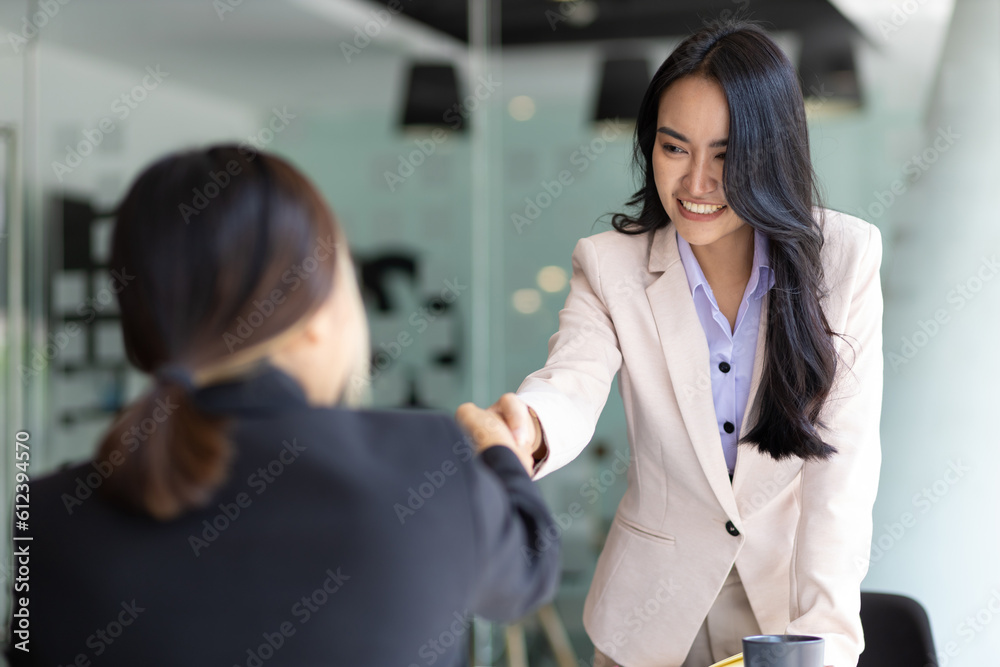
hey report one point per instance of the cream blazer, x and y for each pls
(798, 533)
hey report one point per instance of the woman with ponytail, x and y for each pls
(744, 324)
(245, 510)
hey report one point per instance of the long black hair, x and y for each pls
(770, 184)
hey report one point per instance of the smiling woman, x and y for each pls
(747, 483)
(687, 168)
(767, 185)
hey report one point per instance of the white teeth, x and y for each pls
(701, 208)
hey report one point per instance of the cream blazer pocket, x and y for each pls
(622, 621)
(642, 531)
(629, 548)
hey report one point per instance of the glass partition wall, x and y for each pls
(20, 325)
(462, 174)
(395, 122)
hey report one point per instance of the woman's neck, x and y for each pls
(728, 261)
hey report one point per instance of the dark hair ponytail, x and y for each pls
(200, 266)
(769, 183)
(166, 455)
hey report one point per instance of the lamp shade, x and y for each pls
(623, 83)
(432, 97)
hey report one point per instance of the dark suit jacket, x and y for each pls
(342, 537)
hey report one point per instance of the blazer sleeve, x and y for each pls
(516, 540)
(833, 536)
(570, 391)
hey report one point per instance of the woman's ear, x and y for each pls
(330, 353)
(318, 325)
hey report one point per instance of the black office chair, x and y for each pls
(897, 632)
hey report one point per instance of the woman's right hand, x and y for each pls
(488, 429)
(520, 420)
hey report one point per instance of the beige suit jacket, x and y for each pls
(804, 529)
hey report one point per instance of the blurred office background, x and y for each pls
(465, 148)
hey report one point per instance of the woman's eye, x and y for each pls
(721, 156)
(670, 148)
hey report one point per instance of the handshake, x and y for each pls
(508, 422)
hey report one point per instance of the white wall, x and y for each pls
(79, 100)
(936, 533)
(77, 92)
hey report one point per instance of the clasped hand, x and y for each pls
(507, 423)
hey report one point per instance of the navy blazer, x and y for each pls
(341, 537)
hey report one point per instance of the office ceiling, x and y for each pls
(289, 51)
(524, 22)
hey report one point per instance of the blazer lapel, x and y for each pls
(686, 351)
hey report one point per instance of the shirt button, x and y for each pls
(724, 367)
(728, 427)
(732, 529)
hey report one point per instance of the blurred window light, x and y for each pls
(526, 301)
(521, 107)
(579, 13)
(552, 279)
